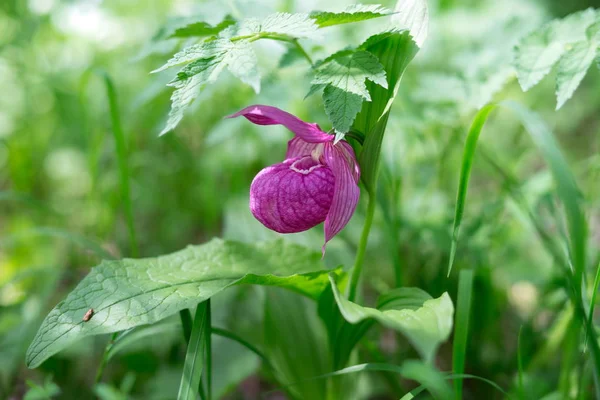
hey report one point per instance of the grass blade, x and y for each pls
(194, 357)
(566, 187)
(593, 302)
(465, 174)
(461, 327)
(520, 364)
(123, 161)
(208, 345)
(568, 193)
(232, 336)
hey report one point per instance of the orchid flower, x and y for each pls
(317, 181)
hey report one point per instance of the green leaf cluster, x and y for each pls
(228, 46)
(571, 43)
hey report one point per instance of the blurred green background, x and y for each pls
(61, 211)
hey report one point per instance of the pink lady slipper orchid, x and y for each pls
(317, 181)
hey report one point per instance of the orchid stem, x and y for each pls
(362, 247)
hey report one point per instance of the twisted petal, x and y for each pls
(342, 162)
(267, 115)
(292, 196)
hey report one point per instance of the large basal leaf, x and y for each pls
(572, 42)
(425, 326)
(132, 292)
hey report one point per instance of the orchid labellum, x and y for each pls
(317, 181)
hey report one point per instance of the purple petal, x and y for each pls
(292, 196)
(342, 162)
(299, 148)
(348, 153)
(267, 115)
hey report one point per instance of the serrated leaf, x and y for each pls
(188, 84)
(199, 29)
(538, 52)
(349, 72)
(344, 77)
(133, 292)
(238, 57)
(341, 107)
(295, 25)
(572, 68)
(536, 55)
(242, 62)
(353, 13)
(204, 50)
(425, 326)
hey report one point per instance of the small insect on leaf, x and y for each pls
(88, 315)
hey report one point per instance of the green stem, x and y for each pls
(362, 247)
(208, 351)
(100, 370)
(281, 38)
(303, 52)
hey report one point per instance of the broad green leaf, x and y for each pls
(412, 15)
(395, 50)
(538, 52)
(344, 77)
(196, 29)
(133, 292)
(425, 327)
(353, 13)
(574, 64)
